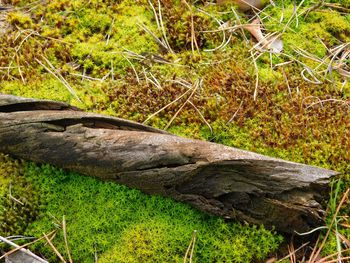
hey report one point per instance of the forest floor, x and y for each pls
(195, 70)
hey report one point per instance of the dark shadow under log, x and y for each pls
(219, 180)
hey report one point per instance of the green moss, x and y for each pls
(19, 19)
(124, 225)
(19, 202)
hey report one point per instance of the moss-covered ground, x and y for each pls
(297, 110)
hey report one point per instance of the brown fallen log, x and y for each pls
(219, 180)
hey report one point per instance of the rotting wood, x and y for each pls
(216, 179)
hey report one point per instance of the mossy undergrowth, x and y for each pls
(117, 68)
(124, 225)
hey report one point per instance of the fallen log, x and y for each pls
(219, 180)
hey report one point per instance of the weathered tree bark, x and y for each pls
(219, 180)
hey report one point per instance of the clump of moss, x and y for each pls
(19, 201)
(125, 225)
(19, 19)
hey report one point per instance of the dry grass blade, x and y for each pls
(293, 252)
(133, 68)
(12, 197)
(193, 36)
(327, 258)
(314, 81)
(202, 117)
(345, 103)
(339, 249)
(191, 247)
(318, 251)
(83, 76)
(287, 82)
(295, 13)
(19, 69)
(109, 32)
(256, 76)
(155, 81)
(235, 114)
(343, 259)
(311, 231)
(54, 248)
(163, 28)
(221, 26)
(169, 104)
(335, 52)
(193, 244)
(345, 225)
(160, 43)
(239, 23)
(64, 228)
(155, 14)
(194, 88)
(58, 76)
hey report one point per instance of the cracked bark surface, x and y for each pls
(216, 179)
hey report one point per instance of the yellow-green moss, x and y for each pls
(119, 224)
(19, 19)
(19, 201)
